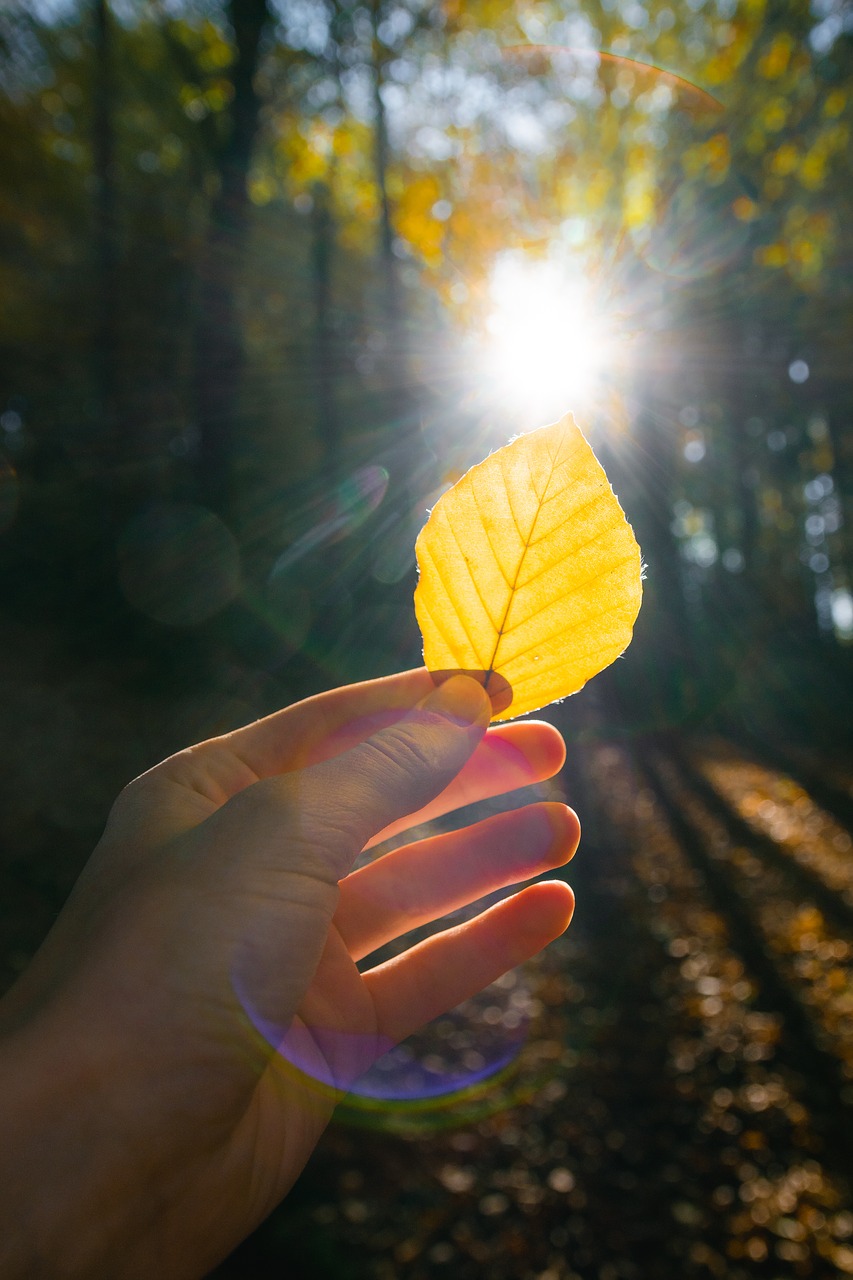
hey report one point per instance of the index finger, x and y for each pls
(509, 756)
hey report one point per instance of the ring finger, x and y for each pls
(420, 882)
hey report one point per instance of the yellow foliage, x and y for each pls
(806, 255)
(598, 187)
(745, 210)
(308, 166)
(774, 63)
(720, 68)
(609, 130)
(217, 52)
(835, 103)
(712, 157)
(823, 458)
(261, 190)
(838, 137)
(345, 143)
(812, 170)
(639, 204)
(718, 156)
(218, 95)
(775, 114)
(414, 219)
(475, 235)
(692, 161)
(771, 255)
(784, 161)
(669, 50)
(364, 199)
(529, 570)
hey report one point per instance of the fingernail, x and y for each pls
(565, 832)
(497, 686)
(460, 699)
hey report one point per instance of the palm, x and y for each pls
(290, 1107)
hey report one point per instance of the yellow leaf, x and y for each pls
(529, 571)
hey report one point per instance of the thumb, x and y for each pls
(317, 820)
(298, 835)
(402, 768)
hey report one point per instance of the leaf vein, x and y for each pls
(570, 515)
(526, 542)
(532, 480)
(471, 575)
(497, 558)
(574, 551)
(451, 644)
(576, 657)
(550, 604)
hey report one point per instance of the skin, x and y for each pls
(149, 1125)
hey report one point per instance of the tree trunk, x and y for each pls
(396, 350)
(106, 247)
(328, 424)
(218, 340)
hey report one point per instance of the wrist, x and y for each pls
(73, 1177)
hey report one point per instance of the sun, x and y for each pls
(548, 343)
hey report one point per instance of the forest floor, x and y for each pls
(683, 1103)
(676, 1094)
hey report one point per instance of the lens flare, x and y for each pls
(574, 67)
(464, 1048)
(464, 1054)
(178, 563)
(347, 509)
(698, 231)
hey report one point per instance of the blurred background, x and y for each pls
(274, 274)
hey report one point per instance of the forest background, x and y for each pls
(275, 273)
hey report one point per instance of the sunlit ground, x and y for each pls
(657, 1121)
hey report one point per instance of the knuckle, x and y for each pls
(298, 821)
(399, 750)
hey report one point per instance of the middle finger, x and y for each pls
(419, 882)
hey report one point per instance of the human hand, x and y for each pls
(179, 1042)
